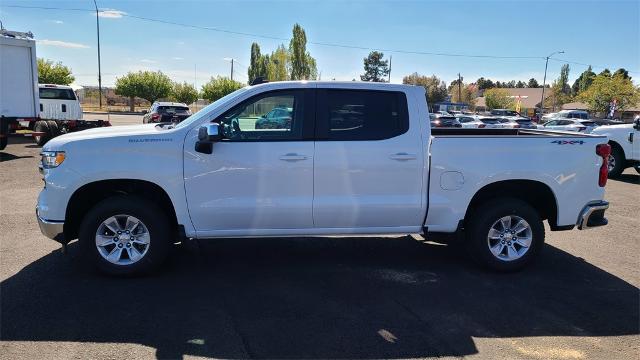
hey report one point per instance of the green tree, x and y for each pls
(498, 99)
(563, 80)
(605, 89)
(302, 64)
(184, 93)
(533, 83)
(436, 89)
(622, 72)
(467, 96)
(257, 66)
(483, 83)
(375, 69)
(583, 81)
(218, 87)
(149, 85)
(521, 84)
(279, 65)
(129, 86)
(53, 73)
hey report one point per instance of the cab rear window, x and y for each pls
(57, 94)
(173, 110)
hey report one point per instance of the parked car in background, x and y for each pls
(504, 113)
(525, 123)
(573, 114)
(625, 146)
(166, 112)
(470, 122)
(438, 120)
(280, 118)
(490, 122)
(585, 126)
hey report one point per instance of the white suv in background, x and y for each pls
(583, 126)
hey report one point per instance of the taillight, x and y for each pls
(155, 116)
(604, 151)
(480, 126)
(582, 128)
(516, 126)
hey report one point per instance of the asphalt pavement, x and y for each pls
(318, 298)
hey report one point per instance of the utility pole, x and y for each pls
(544, 80)
(99, 70)
(232, 69)
(459, 88)
(390, 58)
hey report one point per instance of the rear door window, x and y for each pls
(57, 94)
(346, 115)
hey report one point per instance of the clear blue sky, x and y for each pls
(598, 33)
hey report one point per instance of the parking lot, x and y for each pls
(316, 298)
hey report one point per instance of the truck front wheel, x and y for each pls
(505, 234)
(125, 235)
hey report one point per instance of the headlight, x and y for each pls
(52, 159)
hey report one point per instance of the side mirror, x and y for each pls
(636, 124)
(207, 135)
(210, 132)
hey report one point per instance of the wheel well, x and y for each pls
(90, 194)
(532, 192)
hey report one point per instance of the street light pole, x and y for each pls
(544, 80)
(99, 70)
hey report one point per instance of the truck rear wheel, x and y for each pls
(505, 234)
(616, 162)
(41, 126)
(54, 130)
(125, 235)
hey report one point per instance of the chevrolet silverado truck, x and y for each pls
(625, 146)
(356, 158)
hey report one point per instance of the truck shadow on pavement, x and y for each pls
(628, 178)
(314, 299)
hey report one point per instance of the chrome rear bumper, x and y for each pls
(592, 215)
(51, 228)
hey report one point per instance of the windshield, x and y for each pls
(57, 94)
(200, 114)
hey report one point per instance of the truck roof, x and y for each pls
(42, 86)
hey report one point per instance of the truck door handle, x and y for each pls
(402, 156)
(293, 157)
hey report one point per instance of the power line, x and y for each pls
(328, 44)
(346, 46)
(592, 65)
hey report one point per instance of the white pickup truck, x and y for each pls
(350, 158)
(625, 146)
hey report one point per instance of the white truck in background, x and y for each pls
(355, 158)
(26, 108)
(625, 146)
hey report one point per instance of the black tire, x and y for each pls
(42, 126)
(4, 133)
(618, 157)
(54, 130)
(154, 219)
(482, 219)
